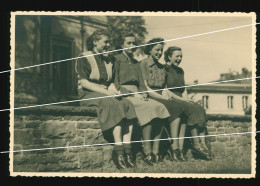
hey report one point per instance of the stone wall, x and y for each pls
(60, 126)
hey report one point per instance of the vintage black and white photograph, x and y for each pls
(153, 94)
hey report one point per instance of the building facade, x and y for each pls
(43, 39)
(224, 98)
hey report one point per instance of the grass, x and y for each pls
(220, 165)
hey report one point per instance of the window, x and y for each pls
(205, 102)
(230, 102)
(245, 102)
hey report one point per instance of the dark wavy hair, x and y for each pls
(148, 48)
(121, 39)
(169, 52)
(95, 36)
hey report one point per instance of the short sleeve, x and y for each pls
(116, 75)
(143, 69)
(83, 68)
(142, 86)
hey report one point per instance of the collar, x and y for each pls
(124, 57)
(150, 61)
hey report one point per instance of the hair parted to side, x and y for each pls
(169, 52)
(148, 48)
(121, 39)
(95, 36)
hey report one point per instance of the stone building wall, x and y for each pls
(60, 126)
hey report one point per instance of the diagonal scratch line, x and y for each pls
(118, 95)
(104, 144)
(169, 40)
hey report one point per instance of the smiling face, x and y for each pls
(129, 42)
(102, 45)
(176, 57)
(157, 51)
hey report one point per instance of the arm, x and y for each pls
(94, 87)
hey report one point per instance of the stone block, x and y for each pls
(221, 130)
(230, 130)
(91, 158)
(241, 130)
(59, 129)
(210, 124)
(94, 136)
(223, 138)
(242, 140)
(79, 118)
(18, 124)
(40, 141)
(23, 136)
(34, 149)
(88, 124)
(211, 138)
(58, 142)
(80, 133)
(37, 133)
(211, 129)
(232, 138)
(231, 144)
(32, 124)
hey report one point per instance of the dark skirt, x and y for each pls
(194, 114)
(110, 111)
(191, 113)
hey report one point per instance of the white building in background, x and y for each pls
(231, 99)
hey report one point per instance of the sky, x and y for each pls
(205, 57)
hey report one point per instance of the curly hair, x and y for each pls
(169, 52)
(148, 48)
(95, 36)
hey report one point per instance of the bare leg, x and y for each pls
(147, 130)
(194, 133)
(117, 133)
(127, 134)
(182, 135)
(202, 133)
(156, 144)
(174, 127)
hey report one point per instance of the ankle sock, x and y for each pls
(128, 148)
(119, 149)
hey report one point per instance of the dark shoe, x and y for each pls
(157, 158)
(175, 155)
(182, 156)
(200, 152)
(148, 158)
(129, 160)
(119, 160)
(207, 153)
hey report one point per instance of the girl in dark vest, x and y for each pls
(175, 78)
(115, 116)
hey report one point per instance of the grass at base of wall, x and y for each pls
(219, 165)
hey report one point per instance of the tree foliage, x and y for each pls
(118, 25)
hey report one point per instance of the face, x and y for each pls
(176, 57)
(129, 42)
(102, 45)
(157, 51)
